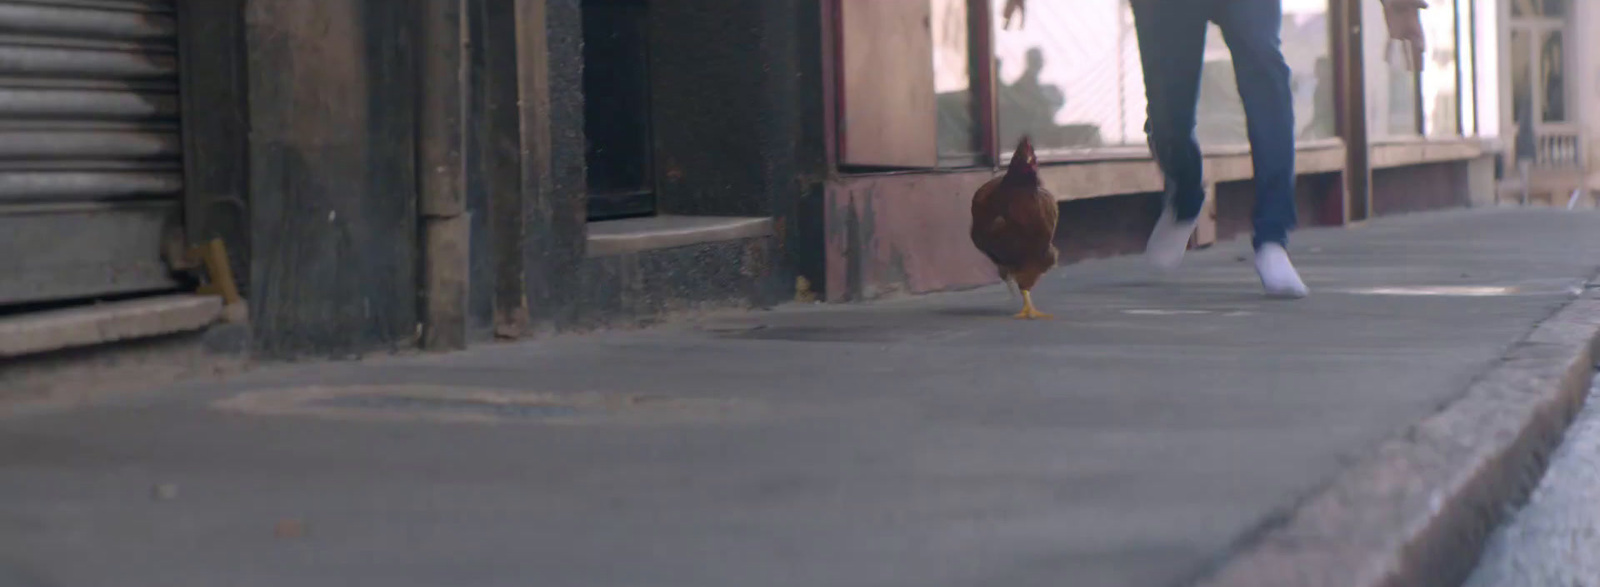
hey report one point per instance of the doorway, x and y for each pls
(616, 94)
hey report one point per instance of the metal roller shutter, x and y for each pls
(90, 150)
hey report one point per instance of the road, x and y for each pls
(1554, 541)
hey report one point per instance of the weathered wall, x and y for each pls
(481, 112)
(1236, 202)
(894, 234)
(497, 196)
(556, 212)
(329, 91)
(332, 182)
(1420, 188)
(216, 124)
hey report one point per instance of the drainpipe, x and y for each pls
(444, 222)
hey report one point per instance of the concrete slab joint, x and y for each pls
(1419, 509)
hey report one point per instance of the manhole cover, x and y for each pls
(453, 404)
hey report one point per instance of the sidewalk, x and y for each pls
(920, 442)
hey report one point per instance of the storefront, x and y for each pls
(1548, 100)
(91, 157)
(471, 169)
(929, 95)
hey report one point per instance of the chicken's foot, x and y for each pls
(1028, 311)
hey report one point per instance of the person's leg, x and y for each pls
(1250, 28)
(1172, 37)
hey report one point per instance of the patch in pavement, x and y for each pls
(870, 333)
(475, 405)
(1184, 312)
(1470, 291)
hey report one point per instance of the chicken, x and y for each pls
(1014, 224)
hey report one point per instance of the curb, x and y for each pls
(1419, 509)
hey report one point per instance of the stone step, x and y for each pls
(56, 330)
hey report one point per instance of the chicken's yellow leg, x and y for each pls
(1028, 311)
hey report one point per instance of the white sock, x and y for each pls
(1278, 276)
(1169, 241)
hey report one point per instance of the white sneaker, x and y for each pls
(1169, 241)
(1278, 276)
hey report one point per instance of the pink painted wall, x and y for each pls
(895, 234)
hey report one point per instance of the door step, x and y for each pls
(71, 328)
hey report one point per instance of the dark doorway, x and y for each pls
(616, 89)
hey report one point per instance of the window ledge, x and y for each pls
(1057, 158)
(1392, 153)
(634, 235)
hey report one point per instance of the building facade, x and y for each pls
(1549, 96)
(388, 174)
(1374, 138)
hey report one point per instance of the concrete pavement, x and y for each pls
(918, 442)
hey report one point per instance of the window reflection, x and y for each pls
(1549, 8)
(1071, 77)
(1440, 87)
(1306, 46)
(1553, 79)
(1522, 92)
(1468, 98)
(1064, 77)
(1392, 99)
(952, 82)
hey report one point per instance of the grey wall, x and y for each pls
(332, 182)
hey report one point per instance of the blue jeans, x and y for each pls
(1172, 39)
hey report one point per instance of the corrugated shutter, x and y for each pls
(90, 150)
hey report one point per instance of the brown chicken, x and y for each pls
(1014, 224)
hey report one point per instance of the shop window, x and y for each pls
(1440, 76)
(1394, 101)
(1521, 63)
(1545, 8)
(1467, 62)
(944, 83)
(1540, 93)
(1071, 78)
(952, 83)
(1553, 78)
(1306, 48)
(1438, 100)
